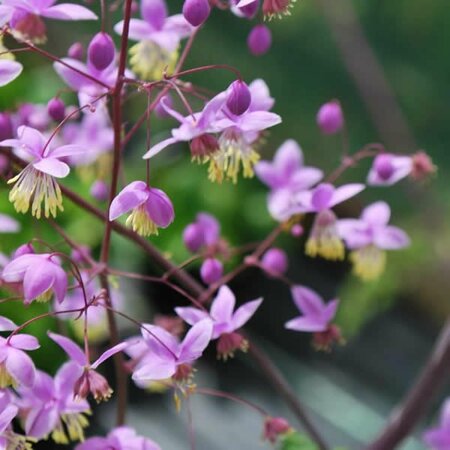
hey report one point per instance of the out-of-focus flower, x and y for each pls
(330, 118)
(438, 438)
(164, 355)
(387, 169)
(324, 239)
(274, 427)
(422, 166)
(259, 40)
(275, 261)
(196, 11)
(316, 317)
(120, 438)
(211, 270)
(56, 109)
(150, 208)
(8, 224)
(225, 321)
(369, 237)
(204, 232)
(49, 406)
(159, 37)
(36, 183)
(9, 71)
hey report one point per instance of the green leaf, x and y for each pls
(297, 441)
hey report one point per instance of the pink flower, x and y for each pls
(387, 169)
(36, 183)
(150, 208)
(225, 321)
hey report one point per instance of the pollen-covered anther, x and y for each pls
(202, 147)
(140, 222)
(368, 262)
(91, 382)
(325, 340)
(277, 8)
(229, 343)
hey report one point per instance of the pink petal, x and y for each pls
(6, 324)
(108, 353)
(267, 173)
(139, 29)
(322, 195)
(308, 324)
(6, 417)
(159, 208)
(196, 341)
(159, 147)
(345, 192)
(53, 167)
(37, 280)
(391, 238)
(155, 369)
(129, 197)
(377, 213)
(307, 301)
(15, 270)
(33, 139)
(259, 120)
(282, 204)
(9, 71)
(223, 305)
(245, 312)
(355, 233)
(160, 341)
(289, 157)
(73, 350)
(68, 150)
(8, 224)
(41, 421)
(330, 311)
(21, 367)
(75, 80)
(66, 377)
(24, 342)
(60, 284)
(191, 315)
(69, 11)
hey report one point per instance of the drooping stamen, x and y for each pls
(368, 262)
(141, 223)
(6, 379)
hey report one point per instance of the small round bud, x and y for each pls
(211, 270)
(384, 167)
(6, 128)
(193, 237)
(99, 190)
(275, 261)
(239, 97)
(275, 427)
(422, 166)
(330, 118)
(196, 11)
(76, 51)
(101, 51)
(259, 40)
(297, 230)
(56, 109)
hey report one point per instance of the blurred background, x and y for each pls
(387, 64)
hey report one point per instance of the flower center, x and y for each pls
(141, 223)
(5, 377)
(368, 262)
(70, 428)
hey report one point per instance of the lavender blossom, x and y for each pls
(388, 169)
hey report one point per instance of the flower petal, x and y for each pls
(38, 279)
(9, 71)
(24, 342)
(159, 147)
(304, 323)
(108, 353)
(160, 341)
(307, 301)
(223, 305)
(69, 11)
(73, 350)
(159, 208)
(128, 198)
(345, 192)
(191, 315)
(21, 367)
(245, 312)
(8, 224)
(6, 324)
(155, 369)
(391, 238)
(41, 421)
(377, 213)
(196, 340)
(53, 167)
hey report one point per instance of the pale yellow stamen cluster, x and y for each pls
(70, 428)
(368, 262)
(227, 161)
(34, 187)
(141, 223)
(150, 61)
(6, 379)
(4, 52)
(18, 442)
(325, 243)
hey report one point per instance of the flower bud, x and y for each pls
(422, 166)
(330, 118)
(6, 129)
(239, 97)
(76, 51)
(275, 261)
(259, 40)
(101, 51)
(196, 11)
(56, 109)
(274, 427)
(193, 237)
(99, 190)
(211, 270)
(384, 166)
(297, 230)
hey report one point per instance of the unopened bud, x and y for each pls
(239, 97)
(422, 166)
(275, 261)
(99, 190)
(330, 118)
(211, 270)
(259, 40)
(76, 51)
(274, 427)
(101, 51)
(56, 109)
(193, 237)
(196, 11)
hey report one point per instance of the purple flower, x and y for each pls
(330, 117)
(316, 317)
(438, 438)
(41, 275)
(16, 367)
(204, 232)
(36, 183)
(159, 37)
(9, 71)
(164, 355)
(120, 438)
(24, 16)
(88, 380)
(368, 237)
(211, 270)
(50, 407)
(286, 176)
(150, 208)
(387, 169)
(259, 40)
(8, 411)
(238, 97)
(324, 239)
(225, 321)
(8, 224)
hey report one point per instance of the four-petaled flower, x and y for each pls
(387, 169)
(40, 274)
(150, 208)
(36, 183)
(368, 237)
(225, 321)
(316, 317)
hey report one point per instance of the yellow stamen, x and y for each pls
(6, 379)
(141, 223)
(35, 187)
(368, 262)
(4, 52)
(328, 247)
(70, 428)
(150, 61)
